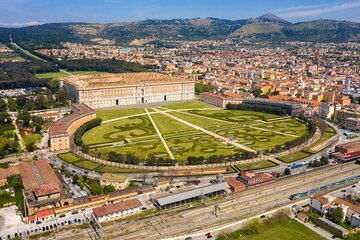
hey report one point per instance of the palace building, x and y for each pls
(108, 90)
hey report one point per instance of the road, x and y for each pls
(198, 217)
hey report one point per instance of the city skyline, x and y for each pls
(19, 13)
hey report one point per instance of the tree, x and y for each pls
(12, 104)
(338, 215)
(287, 171)
(257, 92)
(21, 101)
(109, 189)
(324, 160)
(3, 105)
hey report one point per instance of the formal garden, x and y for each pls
(189, 133)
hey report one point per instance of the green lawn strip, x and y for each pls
(286, 230)
(328, 133)
(188, 105)
(255, 166)
(88, 165)
(80, 162)
(117, 113)
(113, 169)
(119, 130)
(69, 157)
(169, 126)
(294, 156)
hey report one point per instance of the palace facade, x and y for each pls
(108, 90)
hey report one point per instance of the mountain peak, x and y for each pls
(272, 18)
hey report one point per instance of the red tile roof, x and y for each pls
(116, 207)
(79, 110)
(45, 213)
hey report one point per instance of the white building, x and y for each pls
(117, 210)
(107, 90)
(327, 110)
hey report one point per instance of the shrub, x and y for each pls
(84, 128)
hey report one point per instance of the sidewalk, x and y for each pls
(318, 230)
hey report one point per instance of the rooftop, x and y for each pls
(116, 207)
(120, 79)
(114, 177)
(60, 127)
(181, 196)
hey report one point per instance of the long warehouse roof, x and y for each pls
(192, 193)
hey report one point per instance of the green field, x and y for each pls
(294, 157)
(172, 127)
(136, 135)
(256, 165)
(117, 113)
(287, 230)
(80, 162)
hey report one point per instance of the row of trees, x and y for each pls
(257, 108)
(83, 128)
(199, 88)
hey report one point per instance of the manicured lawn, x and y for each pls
(237, 116)
(69, 157)
(149, 148)
(188, 105)
(198, 145)
(291, 126)
(329, 132)
(117, 113)
(294, 157)
(88, 165)
(169, 126)
(256, 165)
(120, 130)
(289, 230)
(201, 122)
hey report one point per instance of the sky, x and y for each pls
(15, 13)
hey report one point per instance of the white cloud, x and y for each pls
(24, 24)
(313, 10)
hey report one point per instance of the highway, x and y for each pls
(198, 217)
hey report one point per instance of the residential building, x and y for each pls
(117, 210)
(117, 180)
(253, 179)
(352, 124)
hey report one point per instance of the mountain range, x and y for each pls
(268, 27)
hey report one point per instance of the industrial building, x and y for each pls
(178, 199)
(292, 109)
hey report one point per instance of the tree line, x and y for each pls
(257, 108)
(83, 128)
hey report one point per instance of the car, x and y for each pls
(343, 190)
(36, 230)
(86, 172)
(62, 215)
(188, 238)
(353, 186)
(73, 171)
(262, 216)
(38, 222)
(143, 208)
(208, 235)
(44, 228)
(47, 227)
